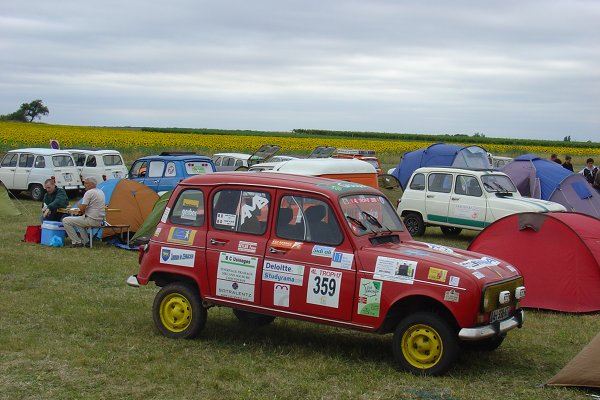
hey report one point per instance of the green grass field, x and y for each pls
(70, 328)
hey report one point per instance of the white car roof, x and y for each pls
(88, 151)
(42, 151)
(241, 156)
(451, 170)
(320, 166)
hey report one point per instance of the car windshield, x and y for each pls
(369, 214)
(498, 183)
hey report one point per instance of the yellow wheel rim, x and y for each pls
(175, 312)
(422, 346)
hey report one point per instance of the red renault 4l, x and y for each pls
(332, 252)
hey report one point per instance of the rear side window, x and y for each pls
(79, 159)
(91, 161)
(63, 161)
(241, 211)
(10, 160)
(307, 219)
(112, 159)
(189, 209)
(171, 170)
(40, 162)
(439, 182)
(26, 160)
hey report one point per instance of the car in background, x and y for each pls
(364, 155)
(27, 170)
(163, 172)
(455, 199)
(271, 245)
(99, 163)
(242, 161)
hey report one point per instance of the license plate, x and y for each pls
(68, 177)
(116, 174)
(500, 314)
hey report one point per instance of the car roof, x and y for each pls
(182, 157)
(329, 187)
(458, 170)
(241, 156)
(320, 166)
(40, 151)
(93, 151)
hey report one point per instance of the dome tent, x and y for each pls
(557, 253)
(441, 155)
(544, 179)
(583, 370)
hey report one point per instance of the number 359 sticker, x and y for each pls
(324, 287)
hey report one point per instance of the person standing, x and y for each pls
(93, 211)
(568, 163)
(590, 171)
(54, 199)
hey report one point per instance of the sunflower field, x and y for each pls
(18, 135)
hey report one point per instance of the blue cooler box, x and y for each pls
(52, 230)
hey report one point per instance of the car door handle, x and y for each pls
(454, 198)
(430, 196)
(274, 250)
(215, 241)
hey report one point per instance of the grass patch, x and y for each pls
(70, 328)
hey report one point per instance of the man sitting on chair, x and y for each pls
(93, 211)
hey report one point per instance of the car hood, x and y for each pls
(522, 204)
(475, 266)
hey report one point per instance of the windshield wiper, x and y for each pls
(373, 220)
(357, 223)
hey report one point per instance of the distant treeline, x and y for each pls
(413, 137)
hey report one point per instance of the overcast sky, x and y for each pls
(525, 69)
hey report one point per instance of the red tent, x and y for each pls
(557, 253)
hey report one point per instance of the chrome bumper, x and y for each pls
(493, 330)
(132, 281)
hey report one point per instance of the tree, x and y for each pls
(33, 110)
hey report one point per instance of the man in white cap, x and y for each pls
(93, 211)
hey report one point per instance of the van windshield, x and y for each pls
(368, 214)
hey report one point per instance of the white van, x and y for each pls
(28, 169)
(101, 164)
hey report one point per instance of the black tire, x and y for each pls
(177, 311)
(36, 191)
(425, 344)
(253, 319)
(450, 230)
(489, 344)
(414, 224)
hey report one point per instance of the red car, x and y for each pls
(333, 252)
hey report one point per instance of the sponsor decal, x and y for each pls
(157, 232)
(342, 260)
(511, 268)
(323, 287)
(258, 202)
(395, 270)
(369, 297)
(322, 251)
(236, 276)
(437, 274)
(440, 248)
(225, 219)
(247, 247)
(165, 214)
(452, 295)
(454, 281)
(478, 275)
(281, 295)
(180, 257)
(278, 272)
(286, 244)
(467, 211)
(181, 236)
(341, 186)
(189, 209)
(475, 264)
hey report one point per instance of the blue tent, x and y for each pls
(544, 179)
(440, 155)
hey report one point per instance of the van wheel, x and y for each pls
(425, 344)
(178, 312)
(253, 319)
(414, 223)
(450, 230)
(36, 191)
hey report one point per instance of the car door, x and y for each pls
(236, 242)
(154, 174)
(23, 170)
(309, 265)
(8, 168)
(467, 203)
(439, 192)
